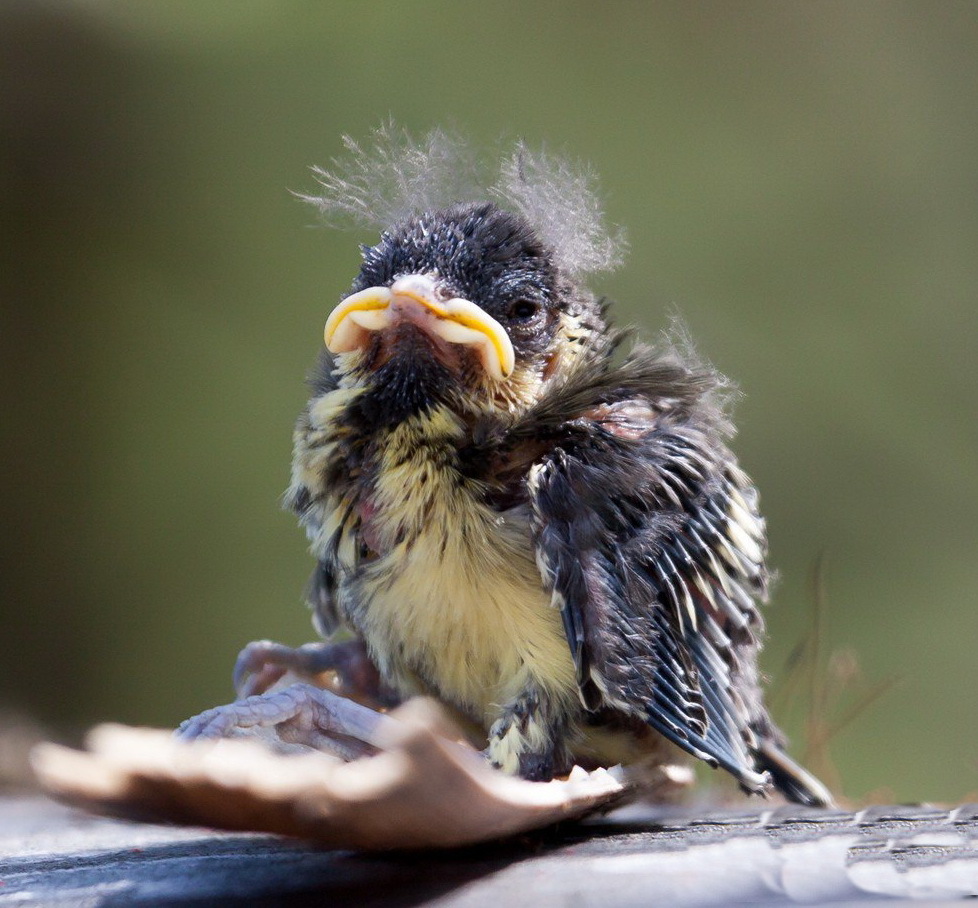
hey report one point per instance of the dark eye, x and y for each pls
(523, 310)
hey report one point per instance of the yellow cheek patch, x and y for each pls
(457, 321)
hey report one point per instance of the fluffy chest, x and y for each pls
(442, 587)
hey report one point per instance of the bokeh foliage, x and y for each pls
(798, 182)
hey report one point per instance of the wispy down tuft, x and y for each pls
(558, 198)
(395, 177)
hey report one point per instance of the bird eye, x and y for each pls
(523, 310)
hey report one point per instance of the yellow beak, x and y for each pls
(414, 298)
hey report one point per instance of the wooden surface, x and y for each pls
(52, 855)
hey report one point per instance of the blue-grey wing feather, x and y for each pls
(654, 549)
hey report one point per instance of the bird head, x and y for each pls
(468, 297)
(478, 305)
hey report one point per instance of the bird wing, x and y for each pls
(647, 534)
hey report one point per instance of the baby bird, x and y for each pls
(513, 508)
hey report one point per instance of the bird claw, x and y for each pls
(259, 665)
(301, 714)
(263, 663)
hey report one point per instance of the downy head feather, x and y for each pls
(394, 177)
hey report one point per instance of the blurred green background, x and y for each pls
(798, 181)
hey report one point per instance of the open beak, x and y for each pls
(414, 298)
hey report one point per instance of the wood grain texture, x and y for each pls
(53, 855)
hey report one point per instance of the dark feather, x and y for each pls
(321, 596)
(644, 373)
(655, 578)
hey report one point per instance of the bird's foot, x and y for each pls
(300, 715)
(528, 739)
(263, 663)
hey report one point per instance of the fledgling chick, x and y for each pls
(512, 513)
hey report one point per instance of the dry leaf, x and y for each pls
(423, 789)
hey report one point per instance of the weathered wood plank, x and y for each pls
(53, 855)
